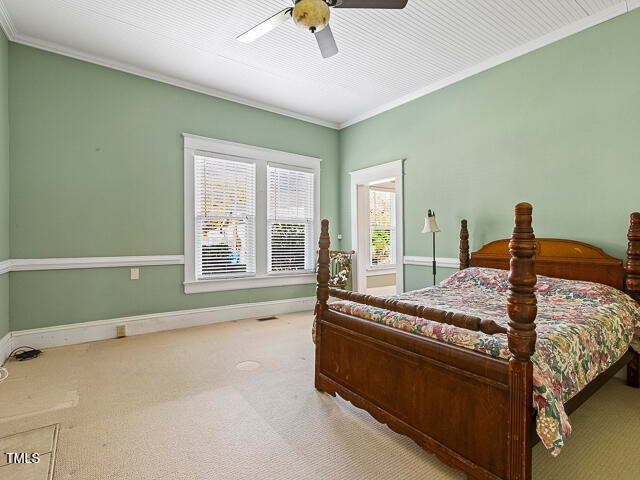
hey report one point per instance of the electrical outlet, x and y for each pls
(135, 273)
(121, 331)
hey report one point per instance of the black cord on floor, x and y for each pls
(24, 353)
(20, 354)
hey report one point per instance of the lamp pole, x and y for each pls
(434, 257)
(430, 226)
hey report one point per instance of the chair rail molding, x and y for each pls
(5, 266)
(446, 262)
(30, 264)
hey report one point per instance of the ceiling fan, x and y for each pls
(313, 15)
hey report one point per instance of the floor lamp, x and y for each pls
(430, 226)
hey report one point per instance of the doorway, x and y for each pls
(376, 226)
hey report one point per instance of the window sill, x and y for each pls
(242, 283)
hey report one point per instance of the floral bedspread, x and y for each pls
(582, 329)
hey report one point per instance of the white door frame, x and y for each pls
(367, 176)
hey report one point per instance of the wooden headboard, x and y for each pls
(558, 258)
(566, 259)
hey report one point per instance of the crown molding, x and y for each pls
(543, 41)
(587, 22)
(10, 31)
(6, 23)
(169, 80)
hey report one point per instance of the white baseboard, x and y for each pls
(104, 329)
(5, 347)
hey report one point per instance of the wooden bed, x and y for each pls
(473, 411)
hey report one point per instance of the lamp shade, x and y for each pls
(430, 224)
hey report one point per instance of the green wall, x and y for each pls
(558, 127)
(97, 170)
(4, 182)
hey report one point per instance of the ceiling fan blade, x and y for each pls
(370, 3)
(326, 42)
(266, 26)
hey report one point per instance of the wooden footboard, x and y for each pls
(452, 401)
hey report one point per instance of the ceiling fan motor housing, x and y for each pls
(312, 15)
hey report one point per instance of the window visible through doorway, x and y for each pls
(382, 231)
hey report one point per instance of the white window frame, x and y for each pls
(194, 144)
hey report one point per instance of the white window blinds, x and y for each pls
(224, 217)
(289, 219)
(381, 227)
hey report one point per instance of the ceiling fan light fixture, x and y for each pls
(312, 15)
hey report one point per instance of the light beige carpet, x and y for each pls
(185, 404)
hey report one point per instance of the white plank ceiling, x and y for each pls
(386, 57)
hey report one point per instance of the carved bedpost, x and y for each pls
(322, 287)
(521, 334)
(632, 267)
(464, 245)
(323, 275)
(632, 287)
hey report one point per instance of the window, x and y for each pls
(290, 220)
(251, 216)
(224, 217)
(381, 227)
